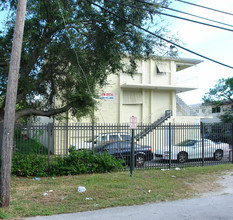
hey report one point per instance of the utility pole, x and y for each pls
(9, 116)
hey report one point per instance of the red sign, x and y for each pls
(133, 122)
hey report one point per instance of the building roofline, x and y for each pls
(178, 89)
(179, 59)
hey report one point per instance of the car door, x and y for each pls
(194, 149)
(197, 150)
(124, 148)
(190, 146)
(111, 148)
(209, 148)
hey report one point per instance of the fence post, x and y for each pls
(231, 143)
(170, 145)
(49, 128)
(132, 154)
(202, 141)
(93, 135)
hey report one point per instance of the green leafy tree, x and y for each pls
(221, 94)
(69, 49)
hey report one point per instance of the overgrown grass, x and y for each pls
(105, 190)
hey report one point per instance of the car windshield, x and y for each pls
(187, 143)
(101, 139)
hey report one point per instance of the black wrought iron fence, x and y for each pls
(164, 146)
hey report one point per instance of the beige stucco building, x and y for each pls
(150, 96)
(147, 95)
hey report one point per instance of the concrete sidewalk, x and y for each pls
(210, 207)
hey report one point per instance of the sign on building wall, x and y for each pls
(107, 96)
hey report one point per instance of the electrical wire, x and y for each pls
(197, 16)
(169, 15)
(168, 41)
(182, 12)
(201, 6)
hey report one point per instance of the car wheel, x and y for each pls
(139, 160)
(218, 155)
(182, 157)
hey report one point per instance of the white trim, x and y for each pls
(178, 89)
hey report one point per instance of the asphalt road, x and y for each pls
(205, 208)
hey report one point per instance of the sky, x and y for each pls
(214, 43)
(211, 42)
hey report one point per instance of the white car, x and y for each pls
(101, 139)
(192, 149)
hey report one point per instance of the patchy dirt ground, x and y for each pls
(222, 185)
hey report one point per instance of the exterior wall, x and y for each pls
(108, 108)
(161, 101)
(146, 95)
(146, 104)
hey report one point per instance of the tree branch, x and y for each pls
(35, 112)
(3, 64)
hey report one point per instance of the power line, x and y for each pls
(201, 6)
(168, 41)
(173, 16)
(197, 16)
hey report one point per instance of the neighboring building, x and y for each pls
(212, 111)
(148, 95)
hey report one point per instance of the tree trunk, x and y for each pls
(9, 116)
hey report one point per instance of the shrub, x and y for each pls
(29, 165)
(85, 161)
(77, 162)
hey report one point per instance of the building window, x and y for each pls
(132, 97)
(216, 109)
(162, 68)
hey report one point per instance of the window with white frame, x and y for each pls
(132, 97)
